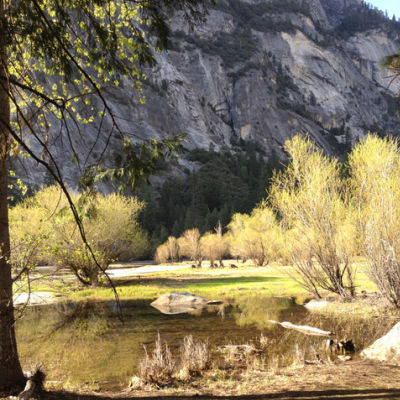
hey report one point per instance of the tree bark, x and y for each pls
(10, 369)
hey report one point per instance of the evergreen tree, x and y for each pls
(216, 191)
(83, 46)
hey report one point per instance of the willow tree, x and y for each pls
(256, 236)
(374, 171)
(56, 57)
(311, 200)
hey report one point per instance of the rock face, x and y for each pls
(180, 302)
(387, 348)
(260, 71)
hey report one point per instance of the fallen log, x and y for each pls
(307, 330)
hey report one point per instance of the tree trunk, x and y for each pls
(10, 369)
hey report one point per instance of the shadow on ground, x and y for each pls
(287, 395)
(200, 282)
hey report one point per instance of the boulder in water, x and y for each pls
(181, 302)
(386, 349)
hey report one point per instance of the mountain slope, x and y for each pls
(263, 71)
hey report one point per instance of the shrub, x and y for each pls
(375, 170)
(207, 245)
(214, 246)
(221, 244)
(168, 251)
(310, 198)
(191, 246)
(162, 254)
(255, 236)
(110, 224)
(173, 248)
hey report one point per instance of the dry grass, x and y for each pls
(195, 357)
(264, 341)
(158, 367)
(356, 379)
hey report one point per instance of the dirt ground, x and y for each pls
(357, 379)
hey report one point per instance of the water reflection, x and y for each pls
(86, 343)
(180, 303)
(178, 309)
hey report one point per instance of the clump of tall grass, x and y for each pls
(160, 367)
(264, 342)
(195, 357)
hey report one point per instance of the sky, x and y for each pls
(392, 6)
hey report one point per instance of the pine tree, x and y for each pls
(83, 46)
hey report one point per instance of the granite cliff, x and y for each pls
(261, 71)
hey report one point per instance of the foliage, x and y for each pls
(375, 168)
(70, 54)
(365, 17)
(258, 15)
(224, 184)
(62, 57)
(310, 198)
(191, 247)
(221, 244)
(56, 60)
(134, 164)
(215, 246)
(207, 245)
(110, 223)
(255, 236)
(16, 188)
(233, 48)
(161, 255)
(168, 251)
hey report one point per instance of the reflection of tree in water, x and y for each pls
(285, 347)
(91, 344)
(84, 318)
(84, 341)
(293, 346)
(362, 330)
(251, 310)
(221, 311)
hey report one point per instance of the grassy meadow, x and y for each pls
(267, 281)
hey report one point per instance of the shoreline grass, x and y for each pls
(240, 287)
(220, 284)
(210, 283)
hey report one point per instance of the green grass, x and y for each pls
(221, 283)
(266, 281)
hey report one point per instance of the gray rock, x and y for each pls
(386, 349)
(307, 79)
(181, 302)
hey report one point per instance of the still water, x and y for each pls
(87, 344)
